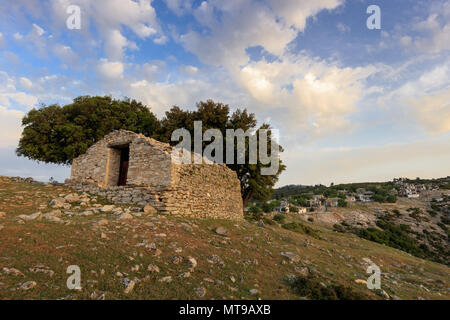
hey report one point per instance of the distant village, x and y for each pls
(304, 199)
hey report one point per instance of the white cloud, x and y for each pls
(111, 17)
(295, 13)
(10, 126)
(306, 94)
(17, 36)
(433, 111)
(110, 70)
(115, 44)
(65, 54)
(245, 24)
(343, 27)
(188, 70)
(38, 30)
(26, 83)
(179, 7)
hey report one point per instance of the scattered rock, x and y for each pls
(361, 281)
(33, 216)
(192, 263)
(215, 259)
(303, 271)
(152, 268)
(185, 275)
(201, 292)
(156, 252)
(135, 268)
(148, 209)
(2, 214)
(292, 257)
(221, 231)
(254, 291)
(13, 271)
(125, 216)
(107, 208)
(54, 219)
(42, 269)
(72, 198)
(177, 259)
(28, 285)
(60, 203)
(128, 284)
(166, 279)
(261, 224)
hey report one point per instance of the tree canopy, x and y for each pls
(55, 134)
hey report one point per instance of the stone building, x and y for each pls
(130, 168)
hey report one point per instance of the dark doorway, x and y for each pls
(124, 160)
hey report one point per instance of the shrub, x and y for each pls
(301, 228)
(311, 288)
(311, 219)
(338, 228)
(279, 217)
(342, 203)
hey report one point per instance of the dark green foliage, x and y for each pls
(299, 194)
(279, 218)
(301, 228)
(339, 228)
(311, 219)
(432, 213)
(311, 288)
(396, 236)
(55, 134)
(268, 221)
(342, 203)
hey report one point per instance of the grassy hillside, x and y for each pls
(250, 261)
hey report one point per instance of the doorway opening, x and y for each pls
(123, 168)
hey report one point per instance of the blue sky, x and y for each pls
(351, 104)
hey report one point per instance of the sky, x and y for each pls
(351, 104)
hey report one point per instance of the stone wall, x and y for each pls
(197, 190)
(149, 165)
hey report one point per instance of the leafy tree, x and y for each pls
(55, 134)
(342, 203)
(216, 115)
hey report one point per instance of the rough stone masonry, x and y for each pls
(130, 168)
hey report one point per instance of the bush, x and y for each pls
(338, 228)
(311, 288)
(268, 221)
(301, 228)
(311, 219)
(342, 203)
(396, 236)
(279, 218)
